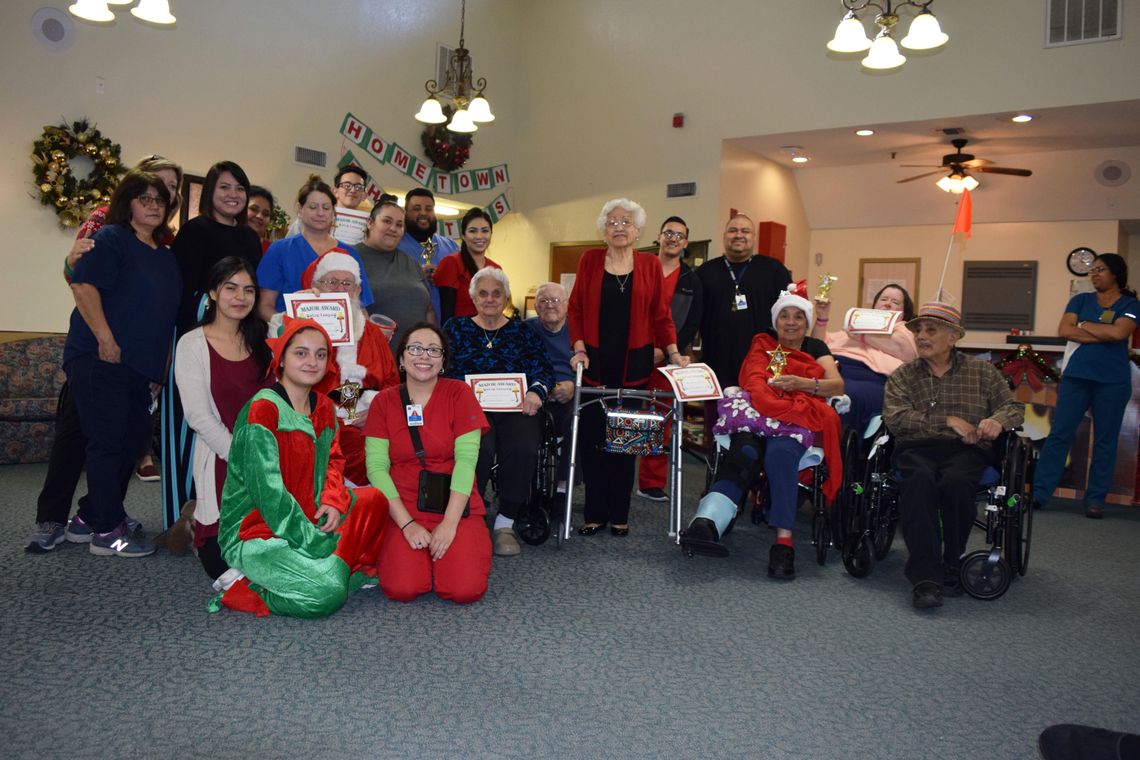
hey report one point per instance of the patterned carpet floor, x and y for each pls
(605, 648)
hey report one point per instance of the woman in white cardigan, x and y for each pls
(219, 366)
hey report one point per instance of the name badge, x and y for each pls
(1107, 316)
(740, 302)
(415, 414)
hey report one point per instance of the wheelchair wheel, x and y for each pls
(533, 525)
(983, 579)
(820, 536)
(886, 522)
(859, 555)
(1022, 535)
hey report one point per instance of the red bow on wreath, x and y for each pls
(1025, 362)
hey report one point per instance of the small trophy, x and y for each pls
(779, 360)
(349, 394)
(825, 283)
(427, 251)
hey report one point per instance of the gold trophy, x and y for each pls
(349, 392)
(427, 251)
(825, 283)
(779, 360)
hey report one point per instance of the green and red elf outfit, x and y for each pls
(283, 466)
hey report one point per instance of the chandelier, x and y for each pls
(883, 53)
(957, 181)
(469, 106)
(154, 11)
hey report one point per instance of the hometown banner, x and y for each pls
(444, 183)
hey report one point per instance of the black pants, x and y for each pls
(513, 441)
(113, 401)
(563, 416)
(939, 479)
(609, 477)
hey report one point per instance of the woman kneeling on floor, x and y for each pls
(288, 522)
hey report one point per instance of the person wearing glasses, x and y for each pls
(552, 329)
(618, 314)
(1097, 376)
(453, 275)
(352, 206)
(683, 292)
(126, 297)
(440, 543)
(286, 260)
(490, 343)
(260, 213)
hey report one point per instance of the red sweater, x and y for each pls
(650, 322)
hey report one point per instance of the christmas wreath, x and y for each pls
(448, 150)
(73, 198)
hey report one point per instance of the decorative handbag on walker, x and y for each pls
(634, 431)
(434, 489)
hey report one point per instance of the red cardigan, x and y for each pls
(650, 322)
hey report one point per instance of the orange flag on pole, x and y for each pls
(965, 215)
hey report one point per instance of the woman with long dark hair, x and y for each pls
(126, 298)
(220, 364)
(1096, 376)
(454, 273)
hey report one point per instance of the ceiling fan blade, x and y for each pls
(1003, 170)
(976, 162)
(939, 170)
(922, 166)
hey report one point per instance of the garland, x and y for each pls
(446, 149)
(72, 198)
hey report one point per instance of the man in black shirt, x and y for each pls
(739, 289)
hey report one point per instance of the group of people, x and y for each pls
(306, 469)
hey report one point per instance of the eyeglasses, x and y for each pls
(147, 201)
(327, 282)
(671, 235)
(549, 301)
(358, 186)
(614, 224)
(1098, 270)
(416, 349)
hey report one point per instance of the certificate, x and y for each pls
(499, 392)
(697, 382)
(350, 225)
(871, 321)
(332, 311)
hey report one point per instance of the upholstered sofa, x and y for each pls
(30, 379)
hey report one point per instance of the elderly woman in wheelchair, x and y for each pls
(787, 380)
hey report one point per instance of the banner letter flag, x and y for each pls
(373, 192)
(421, 173)
(346, 159)
(483, 179)
(965, 215)
(443, 183)
(464, 182)
(499, 175)
(400, 159)
(354, 130)
(378, 148)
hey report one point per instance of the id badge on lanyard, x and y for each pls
(415, 413)
(739, 302)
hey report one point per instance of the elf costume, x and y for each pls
(283, 465)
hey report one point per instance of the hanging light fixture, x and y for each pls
(466, 99)
(154, 11)
(957, 181)
(91, 10)
(883, 53)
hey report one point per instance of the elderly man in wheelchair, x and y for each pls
(945, 409)
(788, 380)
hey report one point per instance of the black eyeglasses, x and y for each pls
(417, 350)
(146, 201)
(351, 186)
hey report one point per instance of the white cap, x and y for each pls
(787, 298)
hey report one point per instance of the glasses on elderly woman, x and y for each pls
(329, 282)
(619, 223)
(415, 349)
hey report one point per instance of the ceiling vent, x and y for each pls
(1113, 173)
(681, 190)
(1072, 22)
(310, 157)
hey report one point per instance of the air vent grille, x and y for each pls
(999, 295)
(310, 157)
(1072, 22)
(681, 190)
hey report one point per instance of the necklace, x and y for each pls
(622, 281)
(491, 338)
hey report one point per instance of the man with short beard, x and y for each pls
(421, 242)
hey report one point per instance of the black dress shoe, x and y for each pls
(1094, 512)
(702, 537)
(621, 532)
(926, 595)
(782, 562)
(589, 530)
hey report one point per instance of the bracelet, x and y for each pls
(579, 352)
(1080, 325)
(674, 353)
(409, 522)
(816, 391)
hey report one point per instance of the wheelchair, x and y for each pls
(1006, 517)
(534, 521)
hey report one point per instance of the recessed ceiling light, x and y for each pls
(864, 132)
(800, 159)
(1021, 118)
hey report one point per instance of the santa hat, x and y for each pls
(796, 296)
(289, 328)
(335, 260)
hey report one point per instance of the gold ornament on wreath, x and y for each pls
(73, 199)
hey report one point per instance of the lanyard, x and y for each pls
(732, 274)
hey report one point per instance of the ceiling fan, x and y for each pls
(957, 164)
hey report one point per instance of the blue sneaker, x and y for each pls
(79, 532)
(120, 542)
(46, 537)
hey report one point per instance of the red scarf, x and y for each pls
(799, 407)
